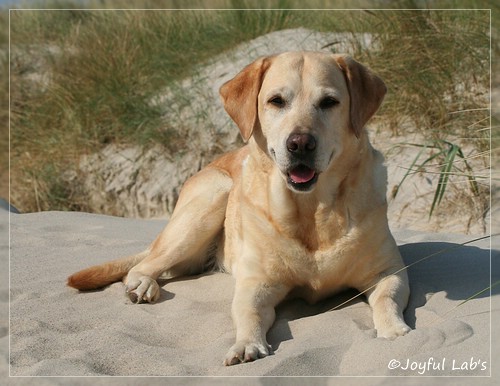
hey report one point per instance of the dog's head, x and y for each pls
(301, 108)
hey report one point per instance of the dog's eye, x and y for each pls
(328, 102)
(277, 101)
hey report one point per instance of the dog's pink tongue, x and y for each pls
(302, 174)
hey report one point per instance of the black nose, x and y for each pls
(300, 143)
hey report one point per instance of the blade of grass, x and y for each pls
(439, 317)
(410, 169)
(412, 264)
(470, 176)
(444, 176)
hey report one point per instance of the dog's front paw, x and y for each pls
(393, 331)
(244, 351)
(142, 288)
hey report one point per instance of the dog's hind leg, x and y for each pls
(183, 246)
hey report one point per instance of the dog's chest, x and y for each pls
(315, 252)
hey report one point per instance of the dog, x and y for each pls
(299, 210)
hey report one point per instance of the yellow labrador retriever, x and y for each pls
(300, 210)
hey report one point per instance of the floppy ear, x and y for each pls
(239, 96)
(366, 90)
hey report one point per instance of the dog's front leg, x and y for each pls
(253, 314)
(388, 299)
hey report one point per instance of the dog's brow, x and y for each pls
(285, 92)
(329, 91)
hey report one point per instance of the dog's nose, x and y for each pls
(300, 143)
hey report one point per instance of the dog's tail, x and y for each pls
(99, 276)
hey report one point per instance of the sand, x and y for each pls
(57, 331)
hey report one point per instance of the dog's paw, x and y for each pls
(244, 351)
(142, 289)
(393, 331)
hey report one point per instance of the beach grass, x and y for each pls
(82, 79)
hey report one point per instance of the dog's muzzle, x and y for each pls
(301, 176)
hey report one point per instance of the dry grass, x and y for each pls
(84, 79)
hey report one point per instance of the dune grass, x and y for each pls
(81, 80)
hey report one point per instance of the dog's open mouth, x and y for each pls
(302, 178)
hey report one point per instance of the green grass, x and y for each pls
(106, 66)
(450, 153)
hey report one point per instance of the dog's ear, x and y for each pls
(239, 96)
(366, 90)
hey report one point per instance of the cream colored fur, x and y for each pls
(276, 236)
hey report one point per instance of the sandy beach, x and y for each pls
(57, 331)
(51, 334)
